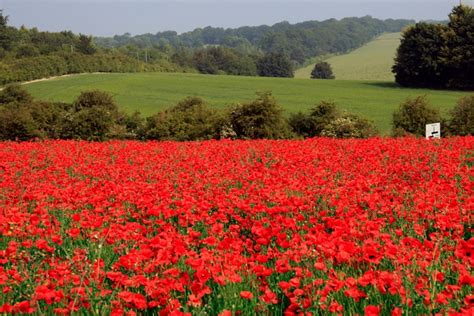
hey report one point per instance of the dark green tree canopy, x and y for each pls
(85, 45)
(436, 55)
(322, 70)
(275, 65)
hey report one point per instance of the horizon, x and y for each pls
(106, 18)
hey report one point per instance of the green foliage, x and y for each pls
(412, 117)
(275, 65)
(49, 118)
(326, 120)
(129, 126)
(93, 99)
(350, 126)
(28, 54)
(214, 60)
(189, 120)
(420, 57)
(22, 118)
(462, 117)
(30, 68)
(261, 118)
(14, 93)
(301, 124)
(322, 70)
(85, 45)
(299, 41)
(16, 123)
(91, 124)
(321, 115)
(460, 44)
(438, 56)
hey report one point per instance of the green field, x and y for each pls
(151, 92)
(372, 61)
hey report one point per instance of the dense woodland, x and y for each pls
(299, 41)
(27, 54)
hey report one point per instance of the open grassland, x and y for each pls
(152, 92)
(372, 61)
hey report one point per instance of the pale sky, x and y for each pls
(110, 17)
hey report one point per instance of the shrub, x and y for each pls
(312, 124)
(93, 116)
(49, 118)
(129, 126)
(301, 124)
(91, 124)
(95, 98)
(17, 123)
(261, 118)
(412, 117)
(189, 120)
(462, 117)
(350, 126)
(15, 93)
(322, 70)
(321, 115)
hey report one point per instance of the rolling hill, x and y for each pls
(372, 61)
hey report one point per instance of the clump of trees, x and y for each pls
(223, 60)
(414, 113)
(322, 70)
(275, 65)
(436, 55)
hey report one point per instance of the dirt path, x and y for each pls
(47, 78)
(56, 77)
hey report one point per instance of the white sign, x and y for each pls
(433, 130)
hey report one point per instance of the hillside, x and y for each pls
(150, 93)
(372, 61)
(299, 41)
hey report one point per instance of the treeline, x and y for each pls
(298, 42)
(27, 54)
(438, 55)
(95, 116)
(30, 68)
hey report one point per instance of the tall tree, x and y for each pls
(420, 57)
(322, 70)
(460, 43)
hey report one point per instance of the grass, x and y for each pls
(372, 61)
(152, 92)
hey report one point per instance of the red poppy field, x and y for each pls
(321, 226)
